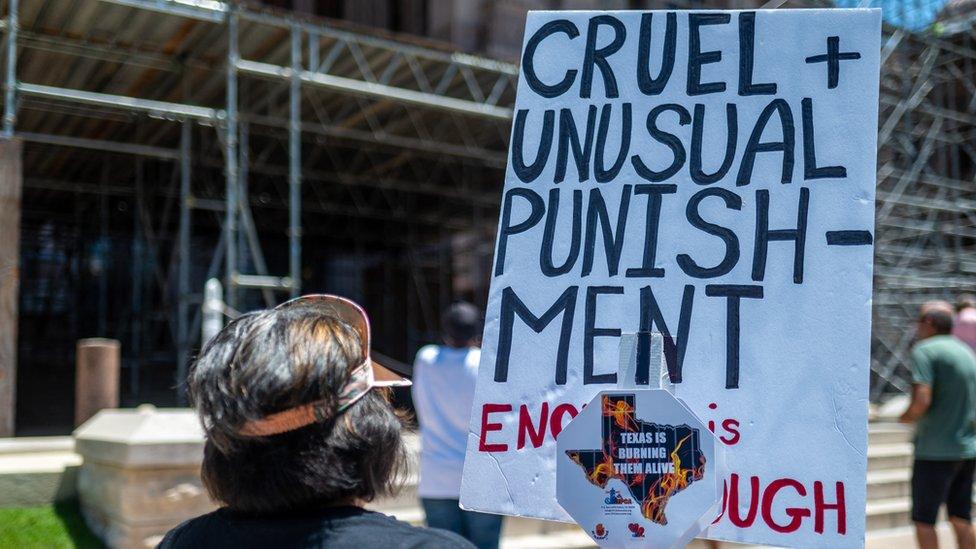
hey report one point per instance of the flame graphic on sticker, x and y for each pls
(621, 412)
(669, 484)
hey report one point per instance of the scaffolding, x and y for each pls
(208, 112)
(926, 184)
(192, 115)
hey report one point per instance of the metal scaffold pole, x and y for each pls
(295, 164)
(183, 281)
(230, 160)
(139, 259)
(10, 89)
(243, 207)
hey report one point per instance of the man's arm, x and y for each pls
(921, 400)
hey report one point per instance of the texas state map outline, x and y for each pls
(654, 461)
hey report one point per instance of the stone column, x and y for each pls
(96, 377)
(10, 197)
(141, 474)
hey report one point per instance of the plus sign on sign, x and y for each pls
(636, 468)
(709, 176)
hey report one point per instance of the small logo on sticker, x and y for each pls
(616, 498)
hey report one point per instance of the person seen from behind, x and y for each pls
(300, 434)
(943, 404)
(964, 325)
(443, 391)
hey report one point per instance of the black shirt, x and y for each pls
(332, 527)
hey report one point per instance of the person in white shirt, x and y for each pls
(443, 389)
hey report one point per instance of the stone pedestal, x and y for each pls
(97, 363)
(141, 473)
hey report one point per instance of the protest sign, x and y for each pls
(709, 176)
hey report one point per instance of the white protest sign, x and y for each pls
(710, 176)
(636, 468)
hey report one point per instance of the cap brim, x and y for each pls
(389, 369)
(383, 377)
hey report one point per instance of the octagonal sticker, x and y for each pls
(637, 468)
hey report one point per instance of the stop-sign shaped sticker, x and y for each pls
(637, 468)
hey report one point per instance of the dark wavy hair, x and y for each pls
(269, 361)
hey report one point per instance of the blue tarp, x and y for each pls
(912, 15)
